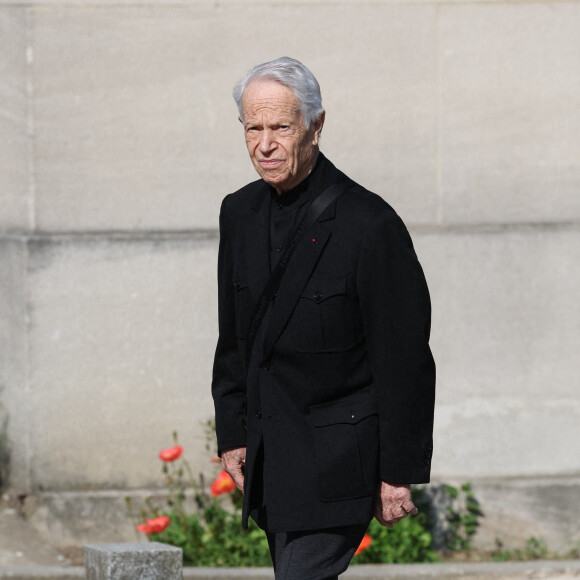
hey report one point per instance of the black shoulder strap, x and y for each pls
(330, 194)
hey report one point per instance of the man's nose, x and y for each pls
(267, 142)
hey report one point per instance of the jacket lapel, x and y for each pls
(300, 268)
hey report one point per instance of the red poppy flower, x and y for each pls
(154, 525)
(366, 542)
(223, 483)
(171, 454)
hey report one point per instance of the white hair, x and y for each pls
(292, 74)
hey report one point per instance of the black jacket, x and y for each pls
(342, 393)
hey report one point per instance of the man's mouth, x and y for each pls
(269, 162)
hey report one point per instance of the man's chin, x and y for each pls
(276, 181)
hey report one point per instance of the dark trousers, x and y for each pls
(316, 554)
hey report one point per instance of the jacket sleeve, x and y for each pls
(229, 379)
(396, 312)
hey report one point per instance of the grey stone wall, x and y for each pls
(118, 141)
(15, 198)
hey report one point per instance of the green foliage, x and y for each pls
(535, 549)
(408, 541)
(463, 513)
(212, 535)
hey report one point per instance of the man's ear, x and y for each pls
(317, 125)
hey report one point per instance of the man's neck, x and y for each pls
(310, 167)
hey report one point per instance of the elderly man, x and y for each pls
(323, 377)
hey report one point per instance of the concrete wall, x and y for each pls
(15, 156)
(15, 196)
(119, 140)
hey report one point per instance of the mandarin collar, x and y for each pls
(300, 192)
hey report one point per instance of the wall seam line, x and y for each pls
(213, 234)
(270, 3)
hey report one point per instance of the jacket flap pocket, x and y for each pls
(323, 288)
(351, 409)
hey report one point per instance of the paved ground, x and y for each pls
(510, 571)
(20, 544)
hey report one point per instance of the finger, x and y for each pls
(385, 518)
(238, 478)
(240, 483)
(396, 517)
(234, 470)
(380, 516)
(231, 464)
(388, 512)
(410, 508)
(388, 523)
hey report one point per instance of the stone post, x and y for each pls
(146, 561)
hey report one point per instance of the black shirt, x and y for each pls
(288, 209)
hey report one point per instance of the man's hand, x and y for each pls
(233, 461)
(393, 503)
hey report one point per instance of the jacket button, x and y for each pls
(318, 296)
(259, 414)
(237, 284)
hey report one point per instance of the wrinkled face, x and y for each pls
(282, 150)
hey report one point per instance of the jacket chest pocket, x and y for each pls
(323, 318)
(346, 445)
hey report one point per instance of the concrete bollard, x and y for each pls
(146, 561)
